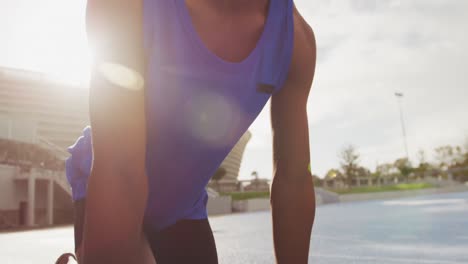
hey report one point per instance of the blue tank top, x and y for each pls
(198, 105)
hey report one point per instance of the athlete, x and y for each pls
(175, 84)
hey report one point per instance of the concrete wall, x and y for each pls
(263, 204)
(260, 204)
(41, 194)
(9, 202)
(219, 205)
(13, 192)
(251, 205)
(7, 188)
(21, 191)
(400, 194)
(323, 196)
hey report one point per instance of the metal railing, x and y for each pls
(211, 193)
(59, 152)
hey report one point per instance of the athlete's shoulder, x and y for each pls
(303, 59)
(303, 29)
(112, 13)
(114, 28)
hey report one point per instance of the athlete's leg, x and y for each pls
(187, 241)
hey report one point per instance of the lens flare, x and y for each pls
(122, 76)
(212, 119)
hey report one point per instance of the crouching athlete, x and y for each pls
(175, 84)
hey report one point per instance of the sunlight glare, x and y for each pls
(46, 37)
(121, 75)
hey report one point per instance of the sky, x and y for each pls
(367, 50)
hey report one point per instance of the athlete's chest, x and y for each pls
(194, 91)
(230, 37)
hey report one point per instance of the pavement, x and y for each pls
(423, 230)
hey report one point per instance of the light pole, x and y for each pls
(399, 96)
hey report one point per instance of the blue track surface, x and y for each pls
(425, 230)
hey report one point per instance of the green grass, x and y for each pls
(397, 187)
(237, 196)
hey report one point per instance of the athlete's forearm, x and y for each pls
(114, 215)
(117, 187)
(293, 212)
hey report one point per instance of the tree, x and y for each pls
(443, 155)
(421, 156)
(449, 156)
(465, 161)
(423, 166)
(362, 172)
(387, 171)
(404, 166)
(377, 175)
(333, 175)
(459, 163)
(218, 175)
(349, 159)
(458, 155)
(254, 175)
(317, 181)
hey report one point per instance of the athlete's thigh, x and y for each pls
(187, 241)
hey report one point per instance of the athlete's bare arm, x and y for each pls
(117, 188)
(292, 194)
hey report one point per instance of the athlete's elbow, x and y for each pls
(120, 180)
(291, 177)
(118, 168)
(296, 187)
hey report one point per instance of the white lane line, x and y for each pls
(380, 259)
(343, 239)
(424, 202)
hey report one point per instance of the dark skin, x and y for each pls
(118, 121)
(292, 192)
(114, 214)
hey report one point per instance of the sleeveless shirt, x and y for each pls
(197, 106)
